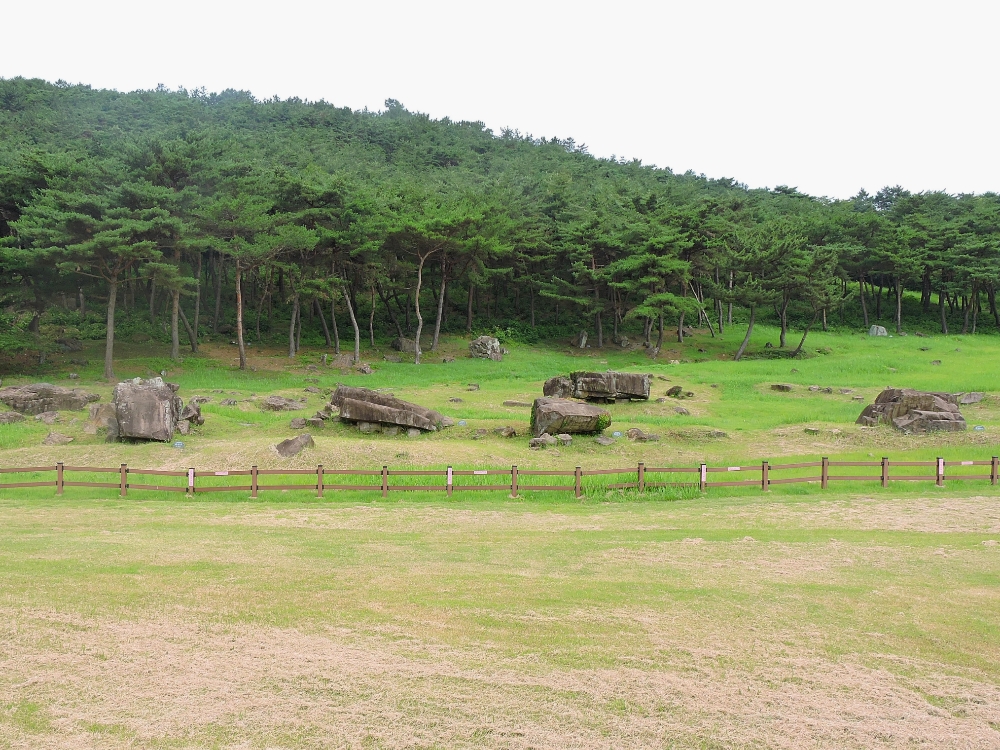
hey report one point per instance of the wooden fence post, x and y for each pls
(319, 481)
(577, 481)
(994, 469)
(253, 481)
(513, 480)
(190, 491)
(642, 476)
(59, 478)
(940, 472)
(385, 481)
(451, 475)
(702, 477)
(885, 471)
(123, 475)
(765, 472)
(824, 480)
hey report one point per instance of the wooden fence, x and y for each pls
(515, 480)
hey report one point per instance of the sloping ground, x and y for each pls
(826, 622)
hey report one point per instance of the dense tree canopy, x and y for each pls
(266, 219)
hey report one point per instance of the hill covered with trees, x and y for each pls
(183, 213)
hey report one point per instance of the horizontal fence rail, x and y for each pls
(514, 480)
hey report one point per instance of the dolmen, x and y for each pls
(369, 409)
(914, 411)
(607, 386)
(560, 415)
(37, 398)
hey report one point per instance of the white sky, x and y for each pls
(828, 97)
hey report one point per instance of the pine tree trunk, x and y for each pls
(899, 305)
(175, 338)
(805, 333)
(680, 329)
(109, 341)
(336, 331)
(416, 308)
(241, 344)
(784, 323)
(371, 320)
(291, 326)
(440, 310)
(197, 304)
(219, 264)
(468, 310)
(531, 292)
(83, 303)
(944, 317)
(190, 331)
(354, 325)
(322, 319)
(864, 305)
(746, 339)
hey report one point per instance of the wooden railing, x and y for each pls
(514, 478)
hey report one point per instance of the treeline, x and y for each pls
(219, 212)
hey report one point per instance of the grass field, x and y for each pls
(847, 618)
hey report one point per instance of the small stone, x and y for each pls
(602, 440)
(836, 432)
(199, 400)
(688, 394)
(311, 367)
(717, 434)
(312, 389)
(782, 387)
(369, 427)
(506, 432)
(681, 410)
(714, 385)
(639, 436)
(564, 438)
(364, 369)
(74, 376)
(183, 427)
(812, 431)
(523, 404)
(56, 438)
(661, 377)
(446, 360)
(990, 543)
(455, 400)
(394, 358)
(970, 398)
(814, 388)
(391, 430)
(936, 362)
(675, 361)
(827, 390)
(299, 423)
(48, 417)
(845, 391)
(480, 434)
(925, 348)
(661, 400)
(315, 422)
(542, 441)
(794, 369)
(857, 398)
(413, 432)
(10, 417)
(675, 392)
(473, 387)
(228, 402)
(294, 446)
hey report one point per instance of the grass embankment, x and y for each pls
(790, 622)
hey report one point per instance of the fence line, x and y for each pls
(514, 484)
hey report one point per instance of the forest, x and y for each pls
(185, 214)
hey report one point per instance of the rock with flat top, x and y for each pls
(914, 411)
(544, 440)
(48, 417)
(56, 438)
(973, 397)
(10, 417)
(299, 423)
(366, 405)
(561, 415)
(36, 398)
(294, 446)
(280, 403)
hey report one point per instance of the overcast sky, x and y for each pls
(829, 97)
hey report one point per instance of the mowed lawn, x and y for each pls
(823, 620)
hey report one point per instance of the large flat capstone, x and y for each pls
(36, 398)
(599, 386)
(555, 415)
(909, 410)
(368, 406)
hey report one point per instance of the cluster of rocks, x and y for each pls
(607, 387)
(909, 410)
(545, 440)
(372, 411)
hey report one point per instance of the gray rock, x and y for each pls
(10, 417)
(936, 362)
(74, 376)
(369, 427)
(639, 436)
(814, 388)
(364, 369)
(48, 417)
(544, 440)
(559, 387)
(473, 387)
(299, 423)
(506, 432)
(147, 409)
(38, 397)
(811, 431)
(455, 400)
(294, 446)
(621, 340)
(783, 387)
(405, 345)
(228, 402)
(914, 411)
(394, 358)
(564, 438)
(675, 392)
(199, 400)
(391, 430)
(312, 389)
(661, 401)
(603, 440)
(974, 397)
(480, 434)
(366, 405)
(877, 331)
(487, 347)
(413, 432)
(280, 403)
(183, 427)
(315, 422)
(556, 414)
(681, 410)
(846, 391)
(192, 413)
(525, 404)
(55, 438)
(581, 340)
